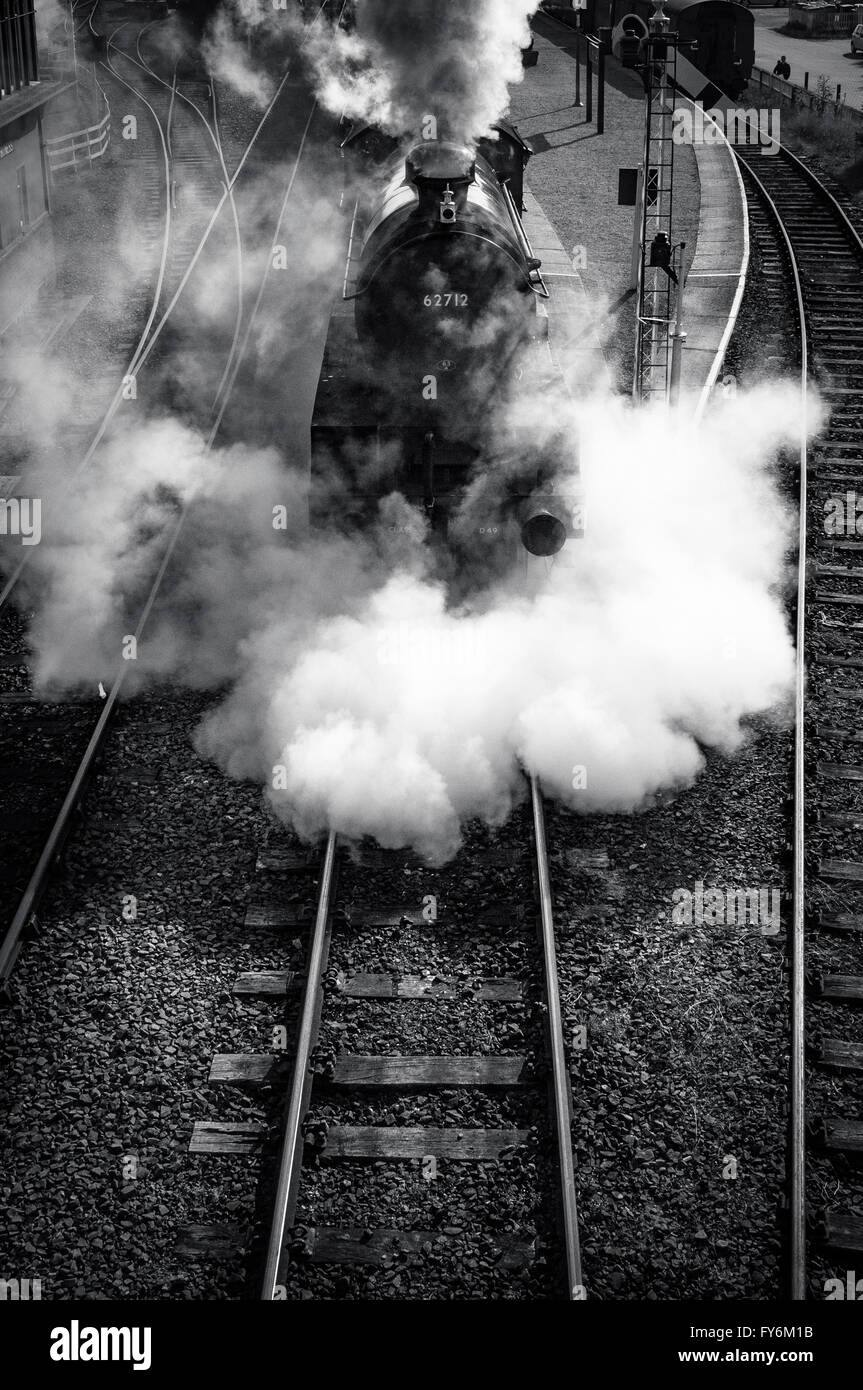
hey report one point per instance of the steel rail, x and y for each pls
(229, 187)
(290, 1158)
(164, 137)
(145, 347)
(10, 942)
(230, 377)
(38, 879)
(824, 194)
(212, 130)
(797, 1117)
(560, 1072)
(133, 363)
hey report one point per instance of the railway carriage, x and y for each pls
(723, 30)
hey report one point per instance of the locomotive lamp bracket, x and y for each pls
(448, 211)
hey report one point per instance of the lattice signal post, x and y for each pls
(658, 327)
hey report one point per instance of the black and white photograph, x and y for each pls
(431, 668)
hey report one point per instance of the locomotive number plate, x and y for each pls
(446, 301)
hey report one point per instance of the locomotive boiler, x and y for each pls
(441, 319)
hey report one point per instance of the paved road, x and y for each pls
(828, 57)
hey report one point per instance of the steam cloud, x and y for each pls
(362, 697)
(227, 58)
(380, 709)
(400, 718)
(453, 59)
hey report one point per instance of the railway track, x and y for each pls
(49, 749)
(809, 241)
(417, 1140)
(155, 291)
(183, 173)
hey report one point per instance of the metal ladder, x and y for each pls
(655, 320)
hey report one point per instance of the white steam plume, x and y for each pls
(227, 59)
(398, 718)
(453, 59)
(392, 712)
(395, 715)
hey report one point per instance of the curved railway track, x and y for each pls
(191, 176)
(50, 750)
(433, 1121)
(812, 246)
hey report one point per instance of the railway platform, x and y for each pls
(585, 237)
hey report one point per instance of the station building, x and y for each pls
(26, 243)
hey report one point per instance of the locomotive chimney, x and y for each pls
(442, 174)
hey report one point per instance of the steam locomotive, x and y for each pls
(441, 324)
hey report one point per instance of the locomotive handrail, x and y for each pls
(345, 295)
(523, 238)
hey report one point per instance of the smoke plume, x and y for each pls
(451, 59)
(399, 717)
(366, 693)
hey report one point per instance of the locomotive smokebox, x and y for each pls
(445, 271)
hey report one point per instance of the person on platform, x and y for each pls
(782, 68)
(660, 255)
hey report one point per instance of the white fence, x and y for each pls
(802, 97)
(80, 147)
